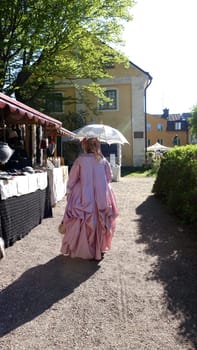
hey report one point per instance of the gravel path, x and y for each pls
(141, 296)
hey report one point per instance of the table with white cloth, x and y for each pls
(57, 178)
(24, 202)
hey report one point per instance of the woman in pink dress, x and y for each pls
(91, 210)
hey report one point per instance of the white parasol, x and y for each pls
(104, 133)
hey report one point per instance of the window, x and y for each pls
(160, 141)
(138, 134)
(148, 127)
(109, 105)
(109, 65)
(108, 61)
(54, 102)
(177, 126)
(176, 141)
(159, 127)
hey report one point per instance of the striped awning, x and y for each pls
(19, 113)
(64, 132)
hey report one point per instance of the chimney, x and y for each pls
(165, 113)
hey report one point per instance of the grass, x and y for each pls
(140, 172)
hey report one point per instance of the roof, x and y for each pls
(141, 70)
(172, 117)
(179, 117)
(64, 132)
(19, 113)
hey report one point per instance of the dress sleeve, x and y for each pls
(74, 176)
(108, 171)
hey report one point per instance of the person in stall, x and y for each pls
(19, 159)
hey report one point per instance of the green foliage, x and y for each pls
(40, 40)
(176, 182)
(193, 121)
(155, 165)
(73, 121)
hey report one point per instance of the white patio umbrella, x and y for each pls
(104, 133)
(157, 147)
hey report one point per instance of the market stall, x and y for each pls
(25, 201)
(57, 171)
(57, 183)
(28, 189)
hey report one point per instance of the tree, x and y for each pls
(193, 121)
(40, 40)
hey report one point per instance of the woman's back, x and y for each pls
(91, 209)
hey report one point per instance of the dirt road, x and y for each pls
(141, 296)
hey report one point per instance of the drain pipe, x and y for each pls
(145, 115)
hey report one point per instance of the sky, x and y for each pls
(161, 40)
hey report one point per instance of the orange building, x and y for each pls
(167, 129)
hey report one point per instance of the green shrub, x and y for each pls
(176, 182)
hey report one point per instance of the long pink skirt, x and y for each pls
(88, 230)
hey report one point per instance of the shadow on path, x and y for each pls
(39, 288)
(176, 267)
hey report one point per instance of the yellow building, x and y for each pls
(125, 111)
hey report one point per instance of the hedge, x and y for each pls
(176, 182)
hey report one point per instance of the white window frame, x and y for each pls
(160, 141)
(148, 127)
(159, 127)
(103, 109)
(177, 126)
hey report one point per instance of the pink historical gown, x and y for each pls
(91, 209)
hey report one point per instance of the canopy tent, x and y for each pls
(64, 132)
(23, 126)
(15, 112)
(18, 113)
(157, 147)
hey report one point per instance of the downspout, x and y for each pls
(145, 116)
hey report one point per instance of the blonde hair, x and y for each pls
(92, 145)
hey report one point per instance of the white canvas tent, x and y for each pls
(157, 147)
